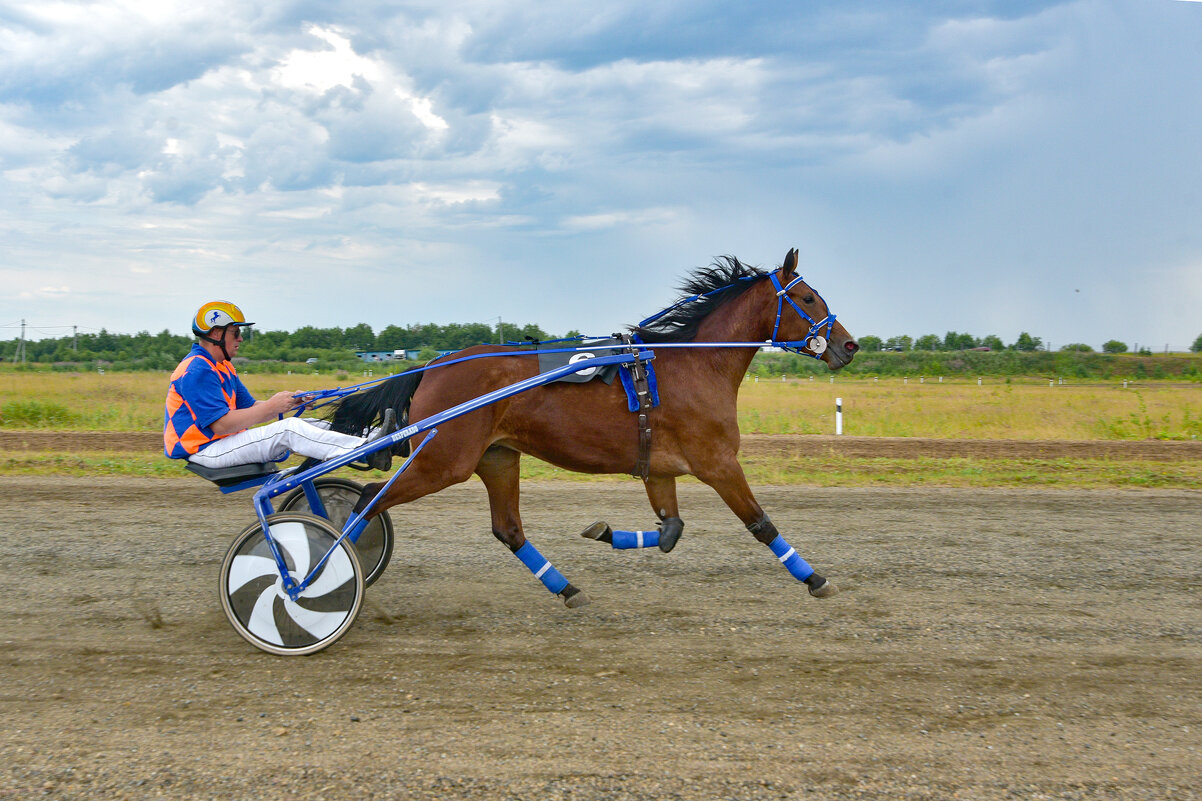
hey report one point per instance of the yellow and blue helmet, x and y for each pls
(217, 314)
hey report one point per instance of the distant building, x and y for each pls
(410, 354)
(379, 355)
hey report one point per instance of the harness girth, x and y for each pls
(638, 373)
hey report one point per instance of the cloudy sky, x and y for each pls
(978, 166)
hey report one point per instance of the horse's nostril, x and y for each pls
(852, 346)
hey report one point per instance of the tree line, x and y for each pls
(337, 346)
(953, 340)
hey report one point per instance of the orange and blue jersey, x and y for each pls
(201, 392)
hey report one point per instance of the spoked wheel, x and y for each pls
(339, 496)
(254, 599)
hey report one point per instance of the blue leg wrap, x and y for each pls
(788, 557)
(551, 578)
(635, 539)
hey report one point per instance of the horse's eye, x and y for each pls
(808, 299)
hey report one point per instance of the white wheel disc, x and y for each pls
(252, 589)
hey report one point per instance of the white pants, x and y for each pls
(267, 443)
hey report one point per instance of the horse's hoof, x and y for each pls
(669, 533)
(598, 531)
(574, 597)
(823, 588)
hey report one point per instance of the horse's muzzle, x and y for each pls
(840, 353)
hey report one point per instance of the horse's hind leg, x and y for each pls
(661, 491)
(499, 470)
(730, 483)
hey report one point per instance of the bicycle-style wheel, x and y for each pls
(254, 599)
(339, 496)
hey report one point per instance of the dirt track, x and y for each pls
(753, 446)
(987, 644)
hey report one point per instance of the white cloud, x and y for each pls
(322, 69)
(275, 143)
(613, 219)
(465, 192)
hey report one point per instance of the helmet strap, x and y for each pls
(219, 342)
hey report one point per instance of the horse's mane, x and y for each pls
(727, 278)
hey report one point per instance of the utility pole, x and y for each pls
(20, 354)
(75, 338)
(500, 331)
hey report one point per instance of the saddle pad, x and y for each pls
(548, 361)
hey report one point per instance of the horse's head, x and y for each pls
(814, 324)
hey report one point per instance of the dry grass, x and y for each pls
(886, 407)
(894, 407)
(113, 401)
(997, 409)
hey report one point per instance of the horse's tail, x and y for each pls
(356, 413)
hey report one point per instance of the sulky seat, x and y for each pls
(228, 476)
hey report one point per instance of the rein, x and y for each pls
(813, 345)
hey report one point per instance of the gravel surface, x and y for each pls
(986, 645)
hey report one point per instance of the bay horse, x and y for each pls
(586, 427)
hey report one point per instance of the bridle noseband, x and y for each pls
(815, 341)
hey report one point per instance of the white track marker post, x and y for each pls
(838, 417)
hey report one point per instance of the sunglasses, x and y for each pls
(237, 332)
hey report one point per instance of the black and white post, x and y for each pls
(838, 417)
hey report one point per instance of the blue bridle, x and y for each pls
(815, 342)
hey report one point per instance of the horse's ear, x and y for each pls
(790, 265)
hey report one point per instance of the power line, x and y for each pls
(49, 330)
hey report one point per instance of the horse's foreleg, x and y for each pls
(499, 470)
(661, 491)
(732, 486)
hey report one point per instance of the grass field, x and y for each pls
(886, 407)
(995, 409)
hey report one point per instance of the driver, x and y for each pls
(212, 419)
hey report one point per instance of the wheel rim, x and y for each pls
(339, 496)
(252, 591)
